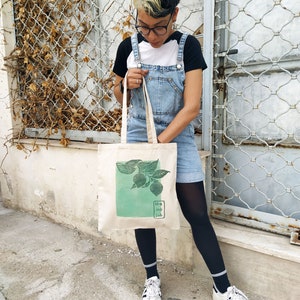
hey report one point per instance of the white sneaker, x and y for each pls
(232, 294)
(152, 289)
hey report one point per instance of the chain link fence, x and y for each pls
(256, 113)
(63, 65)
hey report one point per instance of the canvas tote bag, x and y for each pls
(137, 180)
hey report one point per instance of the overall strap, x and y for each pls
(135, 49)
(180, 50)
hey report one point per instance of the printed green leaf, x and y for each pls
(146, 184)
(160, 173)
(124, 168)
(132, 163)
(147, 167)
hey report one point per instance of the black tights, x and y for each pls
(192, 200)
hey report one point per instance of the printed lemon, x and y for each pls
(139, 179)
(156, 188)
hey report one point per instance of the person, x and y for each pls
(171, 63)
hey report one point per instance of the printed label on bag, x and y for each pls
(139, 188)
(159, 209)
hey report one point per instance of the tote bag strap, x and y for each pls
(151, 133)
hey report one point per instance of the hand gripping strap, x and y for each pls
(151, 133)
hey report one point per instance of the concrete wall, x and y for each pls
(61, 184)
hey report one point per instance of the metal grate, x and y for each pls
(63, 64)
(256, 122)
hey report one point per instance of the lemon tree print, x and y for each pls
(139, 188)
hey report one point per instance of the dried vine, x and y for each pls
(49, 33)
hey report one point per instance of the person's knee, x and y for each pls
(198, 219)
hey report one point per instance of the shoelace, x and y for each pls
(237, 293)
(152, 288)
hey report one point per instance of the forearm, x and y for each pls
(117, 90)
(179, 123)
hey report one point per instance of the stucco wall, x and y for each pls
(61, 184)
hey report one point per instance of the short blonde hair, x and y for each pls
(156, 8)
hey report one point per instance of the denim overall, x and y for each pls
(165, 86)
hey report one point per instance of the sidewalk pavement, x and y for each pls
(40, 260)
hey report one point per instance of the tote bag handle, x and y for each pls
(151, 133)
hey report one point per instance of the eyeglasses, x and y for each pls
(158, 30)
